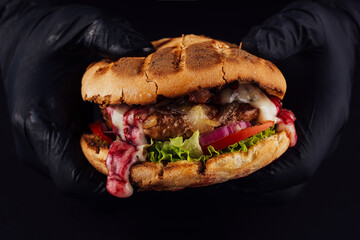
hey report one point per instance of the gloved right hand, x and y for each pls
(316, 46)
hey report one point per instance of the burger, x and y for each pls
(195, 112)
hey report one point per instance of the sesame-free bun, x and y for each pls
(181, 174)
(178, 66)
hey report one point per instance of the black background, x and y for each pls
(31, 207)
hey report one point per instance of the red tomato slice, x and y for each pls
(96, 128)
(237, 137)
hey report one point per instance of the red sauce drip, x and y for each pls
(286, 120)
(118, 162)
(123, 153)
(286, 123)
(132, 127)
(286, 116)
(276, 101)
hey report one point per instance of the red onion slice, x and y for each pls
(222, 132)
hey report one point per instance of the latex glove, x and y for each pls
(43, 54)
(316, 46)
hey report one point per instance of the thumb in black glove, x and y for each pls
(315, 45)
(43, 57)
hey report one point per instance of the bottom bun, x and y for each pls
(178, 175)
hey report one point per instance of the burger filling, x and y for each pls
(196, 127)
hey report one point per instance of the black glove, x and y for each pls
(316, 46)
(43, 54)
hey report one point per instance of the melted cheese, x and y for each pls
(124, 152)
(247, 93)
(117, 119)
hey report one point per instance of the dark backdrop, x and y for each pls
(31, 207)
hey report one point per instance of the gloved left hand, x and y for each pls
(43, 54)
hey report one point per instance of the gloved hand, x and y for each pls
(316, 46)
(43, 54)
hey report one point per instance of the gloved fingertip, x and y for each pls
(113, 37)
(131, 52)
(148, 50)
(249, 45)
(143, 51)
(264, 43)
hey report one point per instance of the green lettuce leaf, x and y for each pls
(177, 149)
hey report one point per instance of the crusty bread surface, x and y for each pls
(181, 174)
(95, 153)
(177, 67)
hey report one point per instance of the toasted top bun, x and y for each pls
(181, 174)
(177, 67)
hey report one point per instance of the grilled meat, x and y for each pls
(162, 125)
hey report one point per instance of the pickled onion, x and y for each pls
(222, 132)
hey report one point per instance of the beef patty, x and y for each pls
(162, 124)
